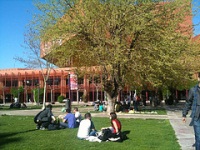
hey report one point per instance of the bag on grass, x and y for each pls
(54, 126)
(106, 134)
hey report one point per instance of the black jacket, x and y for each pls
(45, 115)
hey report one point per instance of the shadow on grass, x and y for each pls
(6, 138)
(124, 135)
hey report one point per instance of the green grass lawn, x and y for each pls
(18, 132)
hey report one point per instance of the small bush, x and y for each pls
(61, 98)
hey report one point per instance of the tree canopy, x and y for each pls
(139, 43)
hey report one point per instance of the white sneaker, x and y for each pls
(114, 139)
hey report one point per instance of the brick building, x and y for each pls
(61, 82)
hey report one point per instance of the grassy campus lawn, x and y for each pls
(18, 132)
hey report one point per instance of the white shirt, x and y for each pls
(78, 116)
(84, 128)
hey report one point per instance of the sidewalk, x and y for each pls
(184, 132)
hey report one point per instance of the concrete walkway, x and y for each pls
(183, 131)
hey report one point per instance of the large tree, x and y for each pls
(33, 59)
(134, 42)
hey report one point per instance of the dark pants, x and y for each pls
(197, 134)
(136, 103)
(44, 122)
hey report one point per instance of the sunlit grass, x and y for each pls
(18, 132)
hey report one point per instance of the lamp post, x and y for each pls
(51, 94)
(38, 93)
(26, 94)
(26, 89)
(4, 95)
(69, 86)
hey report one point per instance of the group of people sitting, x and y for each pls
(46, 119)
(86, 128)
(99, 106)
(126, 106)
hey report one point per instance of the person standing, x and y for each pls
(193, 102)
(69, 120)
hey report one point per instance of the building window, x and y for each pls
(35, 82)
(50, 81)
(15, 83)
(8, 83)
(57, 81)
(80, 80)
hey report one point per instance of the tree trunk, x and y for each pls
(44, 96)
(111, 103)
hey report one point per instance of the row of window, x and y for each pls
(50, 81)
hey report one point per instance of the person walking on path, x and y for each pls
(193, 102)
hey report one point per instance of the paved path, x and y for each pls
(183, 131)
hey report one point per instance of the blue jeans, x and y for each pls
(93, 133)
(63, 125)
(197, 133)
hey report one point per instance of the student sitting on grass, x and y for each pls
(44, 118)
(86, 128)
(114, 131)
(77, 116)
(68, 121)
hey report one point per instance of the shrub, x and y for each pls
(61, 98)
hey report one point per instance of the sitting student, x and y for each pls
(96, 106)
(68, 121)
(131, 110)
(115, 128)
(86, 128)
(44, 118)
(101, 107)
(104, 106)
(24, 105)
(77, 116)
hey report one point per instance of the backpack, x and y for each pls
(35, 118)
(54, 126)
(106, 134)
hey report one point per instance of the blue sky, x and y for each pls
(14, 16)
